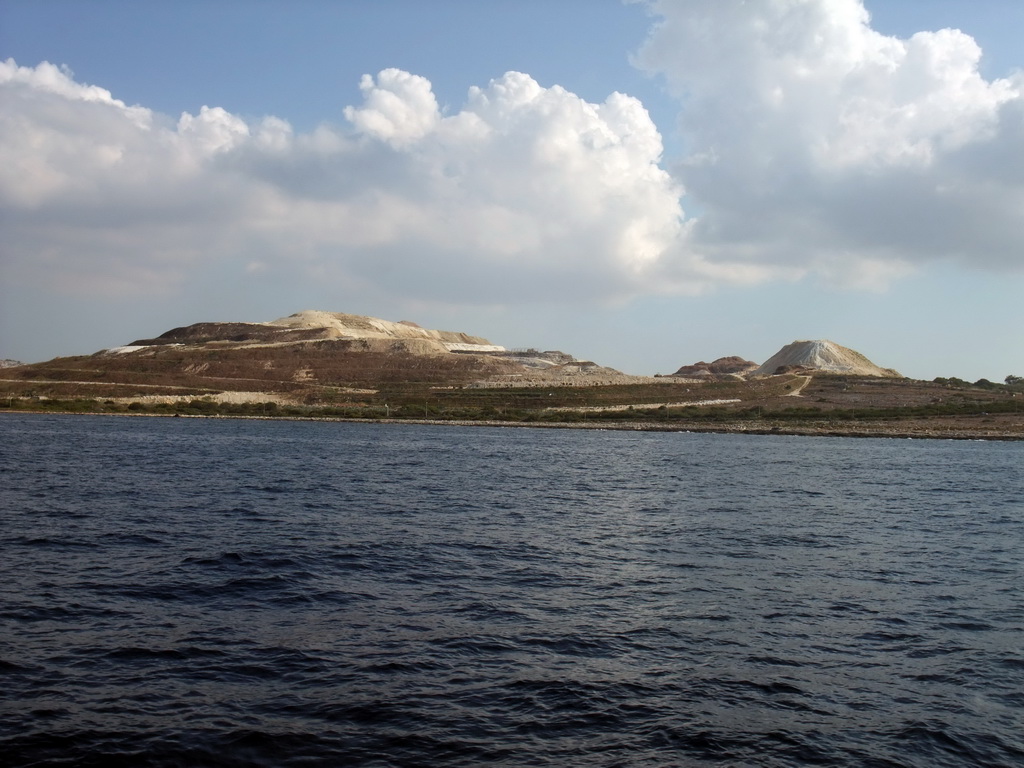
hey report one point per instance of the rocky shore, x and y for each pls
(897, 430)
(923, 429)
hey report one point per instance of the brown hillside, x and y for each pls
(723, 367)
(309, 356)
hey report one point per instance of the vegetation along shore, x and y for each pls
(827, 405)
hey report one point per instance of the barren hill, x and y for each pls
(333, 365)
(821, 355)
(722, 368)
(310, 356)
(313, 325)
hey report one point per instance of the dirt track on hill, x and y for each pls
(796, 392)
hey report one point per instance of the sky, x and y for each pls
(643, 184)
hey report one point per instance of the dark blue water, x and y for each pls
(209, 592)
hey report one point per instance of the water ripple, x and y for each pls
(230, 593)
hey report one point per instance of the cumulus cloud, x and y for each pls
(527, 192)
(813, 146)
(816, 142)
(399, 107)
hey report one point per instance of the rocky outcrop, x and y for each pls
(203, 333)
(821, 356)
(722, 368)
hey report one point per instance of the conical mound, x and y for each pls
(821, 355)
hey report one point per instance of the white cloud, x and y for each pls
(399, 107)
(815, 146)
(527, 192)
(817, 143)
(213, 130)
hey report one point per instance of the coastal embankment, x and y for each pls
(924, 429)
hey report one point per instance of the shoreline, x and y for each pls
(919, 431)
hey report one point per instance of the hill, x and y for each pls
(722, 368)
(309, 357)
(334, 365)
(821, 356)
(313, 325)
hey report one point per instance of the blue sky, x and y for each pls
(755, 187)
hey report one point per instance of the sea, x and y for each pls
(218, 592)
